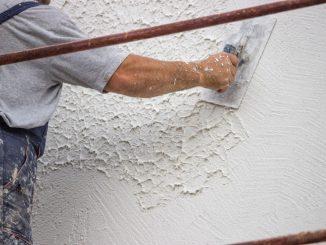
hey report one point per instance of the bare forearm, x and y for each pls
(145, 77)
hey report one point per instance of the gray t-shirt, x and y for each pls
(29, 91)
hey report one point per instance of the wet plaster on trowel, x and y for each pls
(116, 167)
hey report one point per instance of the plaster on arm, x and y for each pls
(145, 77)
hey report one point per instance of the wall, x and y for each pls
(174, 169)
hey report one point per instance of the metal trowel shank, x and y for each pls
(248, 43)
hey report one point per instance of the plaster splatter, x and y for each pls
(157, 148)
(163, 153)
(166, 147)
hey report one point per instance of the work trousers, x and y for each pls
(19, 151)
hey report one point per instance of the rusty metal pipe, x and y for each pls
(156, 31)
(296, 239)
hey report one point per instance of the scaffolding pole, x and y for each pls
(296, 239)
(145, 33)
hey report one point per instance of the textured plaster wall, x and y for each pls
(176, 170)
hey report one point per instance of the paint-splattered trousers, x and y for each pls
(19, 151)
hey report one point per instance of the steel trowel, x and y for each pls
(248, 44)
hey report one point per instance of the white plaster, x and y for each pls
(174, 170)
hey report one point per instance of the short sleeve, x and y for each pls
(91, 68)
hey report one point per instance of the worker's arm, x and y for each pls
(144, 77)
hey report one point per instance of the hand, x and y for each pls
(218, 71)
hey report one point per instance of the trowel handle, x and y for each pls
(229, 48)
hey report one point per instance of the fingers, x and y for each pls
(234, 59)
(232, 68)
(222, 90)
(228, 81)
(219, 71)
(233, 71)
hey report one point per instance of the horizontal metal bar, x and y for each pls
(156, 31)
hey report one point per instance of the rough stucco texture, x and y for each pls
(174, 169)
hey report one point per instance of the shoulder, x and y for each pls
(47, 16)
(52, 22)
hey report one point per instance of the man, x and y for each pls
(29, 93)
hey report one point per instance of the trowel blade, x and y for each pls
(259, 32)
